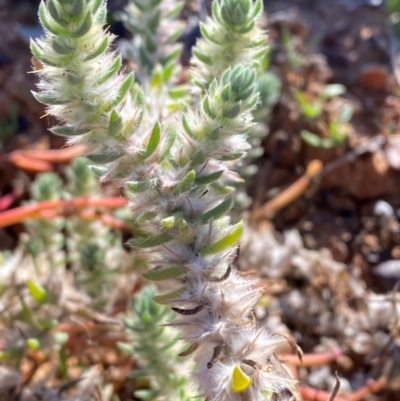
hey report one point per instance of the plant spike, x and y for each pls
(168, 170)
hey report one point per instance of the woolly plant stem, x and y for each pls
(174, 175)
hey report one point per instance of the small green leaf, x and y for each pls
(32, 343)
(231, 156)
(115, 124)
(207, 108)
(168, 142)
(166, 273)
(125, 348)
(102, 158)
(98, 171)
(53, 11)
(317, 141)
(230, 240)
(60, 47)
(100, 49)
(169, 297)
(333, 90)
(208, 179)
(122, 92)
(85, 27)
(186, 183)
(178, 91)
(60, 337)
(157, 78)
(114, 68)
(67, 130)
(140, 186)
(208, 33)
(232, 111)
(78, 6)
(218, 211)
(188, 125)
(174, 36)
(74, 79)
(175, 10)
(49, 99)
(149, 242)
(153, 142)
(38, 292)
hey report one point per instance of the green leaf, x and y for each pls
(74, 79)
(78, 7)
(256, 11)
(333, 90)
(208, 33)
(232, 111)
(140, 186)
(157, 78)
(98, 171)
(114, 68)
(85, 27)
(178, 91)
(149, 242)
(100, 49)
(32, 343)
(60, 47)
(317, 141)
(38, 292)
(60, 337)
(230, 240)
(125, 348)
(169, 297)
(49, 99)
(207, 108)
(53, 11)
(115, 124)
(231, 156)
(186, 183)
(175, 10)
(166, 273)
(153, 142)
(187, 125)
(168, 142)
(122, 92)
(208, 179)
(67, 130)
(345, 113)
(174, 36)
(218, 211)
(310, 109)
(102, 158)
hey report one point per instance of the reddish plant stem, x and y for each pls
(372, 386)
(289, 194)
(38, 161)
(7, 200)
(311, 359)
(19, 214)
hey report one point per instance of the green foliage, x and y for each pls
(155, 28)
(156, 348)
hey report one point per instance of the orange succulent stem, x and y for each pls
(19, 214)
(63, 155)
(372, 386)
(25, 163)
(312, 394)
(40, 160)
(311, 359)
(291, 193)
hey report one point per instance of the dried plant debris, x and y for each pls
(326, 306)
